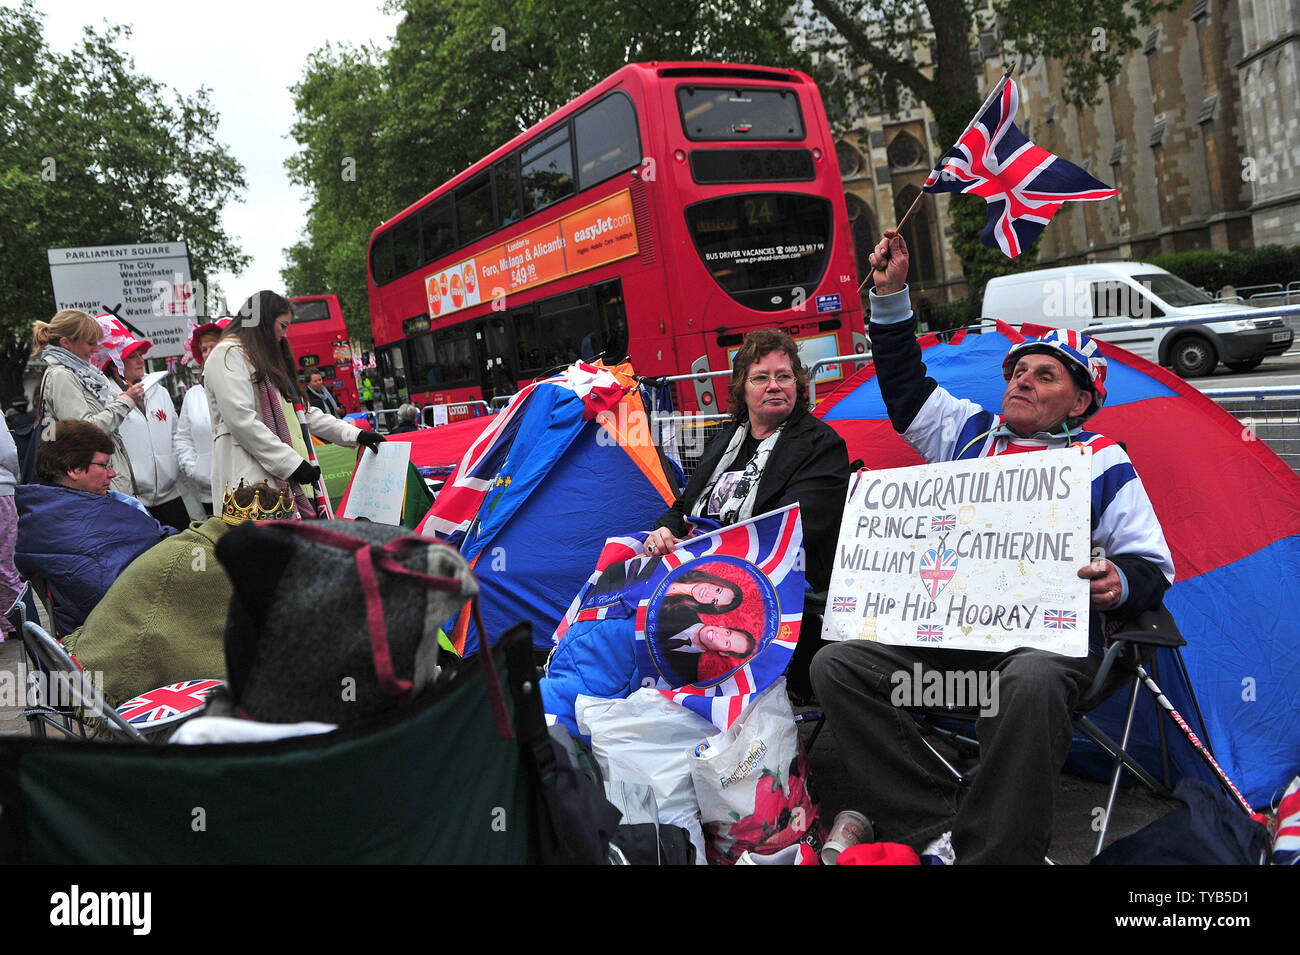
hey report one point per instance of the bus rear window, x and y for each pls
(761, 247)
(713, 113)
(311, 312)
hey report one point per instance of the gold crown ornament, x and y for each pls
(282, 507)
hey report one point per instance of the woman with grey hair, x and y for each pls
(407, 418)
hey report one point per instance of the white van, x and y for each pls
(1105, 293)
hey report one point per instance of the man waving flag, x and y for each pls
(1023, 184)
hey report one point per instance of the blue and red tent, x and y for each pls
(1230, 509)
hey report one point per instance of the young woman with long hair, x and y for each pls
(252, 387)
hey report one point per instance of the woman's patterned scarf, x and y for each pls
(273, 417)
(92, 379)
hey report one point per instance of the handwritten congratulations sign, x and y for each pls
(379, 484)
(975, 555)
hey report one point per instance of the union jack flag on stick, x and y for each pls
(1023, 184)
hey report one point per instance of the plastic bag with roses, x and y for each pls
(752, 784)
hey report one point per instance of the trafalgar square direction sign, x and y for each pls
(145, 284)
(974, 555)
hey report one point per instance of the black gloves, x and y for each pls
(306, 473)
(371, 440)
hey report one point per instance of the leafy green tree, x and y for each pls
(461, 78)
(94, 153)
(872, 47)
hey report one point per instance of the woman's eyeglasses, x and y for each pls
(784, 379)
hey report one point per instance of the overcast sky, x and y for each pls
(248, 54)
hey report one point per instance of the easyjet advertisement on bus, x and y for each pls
(598, 234)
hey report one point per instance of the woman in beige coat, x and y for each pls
(74, 388)
(251, 384)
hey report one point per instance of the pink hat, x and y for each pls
(117, 343)
(197, 337)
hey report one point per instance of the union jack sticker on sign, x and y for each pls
(1061, 619)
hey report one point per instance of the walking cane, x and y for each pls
(1201, 750)
(321, 499)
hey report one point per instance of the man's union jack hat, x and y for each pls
(1077, 352)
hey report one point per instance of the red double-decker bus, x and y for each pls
(659, 216)
(319, 338)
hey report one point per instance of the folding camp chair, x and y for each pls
(443, 781)
(1131, 651)
(58, 667)
(39, 713)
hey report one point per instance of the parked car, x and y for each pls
(1106, 293)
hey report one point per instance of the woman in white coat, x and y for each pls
(252, 386)
(194, 427)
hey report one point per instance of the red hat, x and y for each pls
(218, 326)
(878, 853)
(117, 343)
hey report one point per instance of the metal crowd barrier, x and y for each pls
(426, 411)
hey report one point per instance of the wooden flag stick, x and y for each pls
(898, 228)
(908, 214)
(1006, 72)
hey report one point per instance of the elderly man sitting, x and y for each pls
(75, 531)
(1053, 385)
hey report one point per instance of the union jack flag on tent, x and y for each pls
(1023, 184)
(531, 503)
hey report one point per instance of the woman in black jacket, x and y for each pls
(773, 453)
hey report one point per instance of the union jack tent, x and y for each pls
(1023, 184)
(570, 460)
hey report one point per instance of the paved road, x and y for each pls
(1279, 370)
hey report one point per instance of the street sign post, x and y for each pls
(145, 284)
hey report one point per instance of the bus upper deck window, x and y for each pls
(547, 170)
(608, 142)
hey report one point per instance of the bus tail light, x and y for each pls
(704, 395)
(861, 345)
